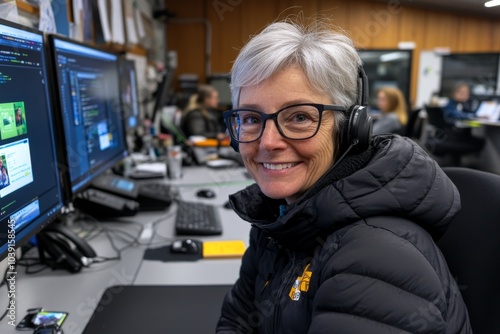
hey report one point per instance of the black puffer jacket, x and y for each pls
(354, 254)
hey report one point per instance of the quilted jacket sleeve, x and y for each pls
(238, 303)
(377, 282)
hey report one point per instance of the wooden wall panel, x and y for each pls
(441, 30)
(294, 7)
(495, 32)
(255, 15)
(413, 28)
(388, 18)
(474, 35)
(188, 39)
(224, 50)
(370, 24)
(338, 12)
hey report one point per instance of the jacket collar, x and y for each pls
(298, 225)
(393, 177)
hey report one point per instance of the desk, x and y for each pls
(490, 155)
(79, 293)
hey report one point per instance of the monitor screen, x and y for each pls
(221, 82)
(30, 190)
(387, 68)
(89, 103)
(129, 95)
(478, 70)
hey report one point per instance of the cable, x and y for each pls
(90, 230)
(29, 262)
(28, 272)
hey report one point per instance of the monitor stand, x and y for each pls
(149, 195)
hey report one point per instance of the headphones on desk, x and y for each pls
(356, 134)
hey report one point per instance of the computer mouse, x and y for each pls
(187, 246)
(205, 193)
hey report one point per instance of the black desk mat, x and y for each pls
(157, 309)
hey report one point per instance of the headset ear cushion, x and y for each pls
(359, 128)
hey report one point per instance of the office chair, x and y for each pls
(413, 127)
(471, 246)
(447, 140)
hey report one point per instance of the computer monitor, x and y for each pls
(221, 82)
(162, 93)
(128, 93)
(389, 67)
(478, 70)
(90, 109)
(31, 195)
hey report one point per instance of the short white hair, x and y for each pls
(328, 59)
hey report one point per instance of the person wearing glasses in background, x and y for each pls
(342, 230)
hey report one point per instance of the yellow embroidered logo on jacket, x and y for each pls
(301, 284)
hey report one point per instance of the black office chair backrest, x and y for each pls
(471, 246)
(413, 128)
(435, 116)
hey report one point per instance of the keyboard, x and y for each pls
(195, 218)
(154, 196)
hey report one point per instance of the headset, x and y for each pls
(65, 248)
(356, 134)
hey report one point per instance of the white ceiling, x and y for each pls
(475, 7)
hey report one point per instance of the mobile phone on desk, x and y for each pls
(39, 317)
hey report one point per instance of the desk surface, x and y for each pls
(80, 293)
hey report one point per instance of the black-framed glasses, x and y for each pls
(298, 121)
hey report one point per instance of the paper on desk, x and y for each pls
(153, 167)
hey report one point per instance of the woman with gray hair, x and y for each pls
(342, 225)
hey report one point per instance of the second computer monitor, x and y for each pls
(90, 107)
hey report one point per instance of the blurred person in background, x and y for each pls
(459, 106)
(201, 117)
(392, 105)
